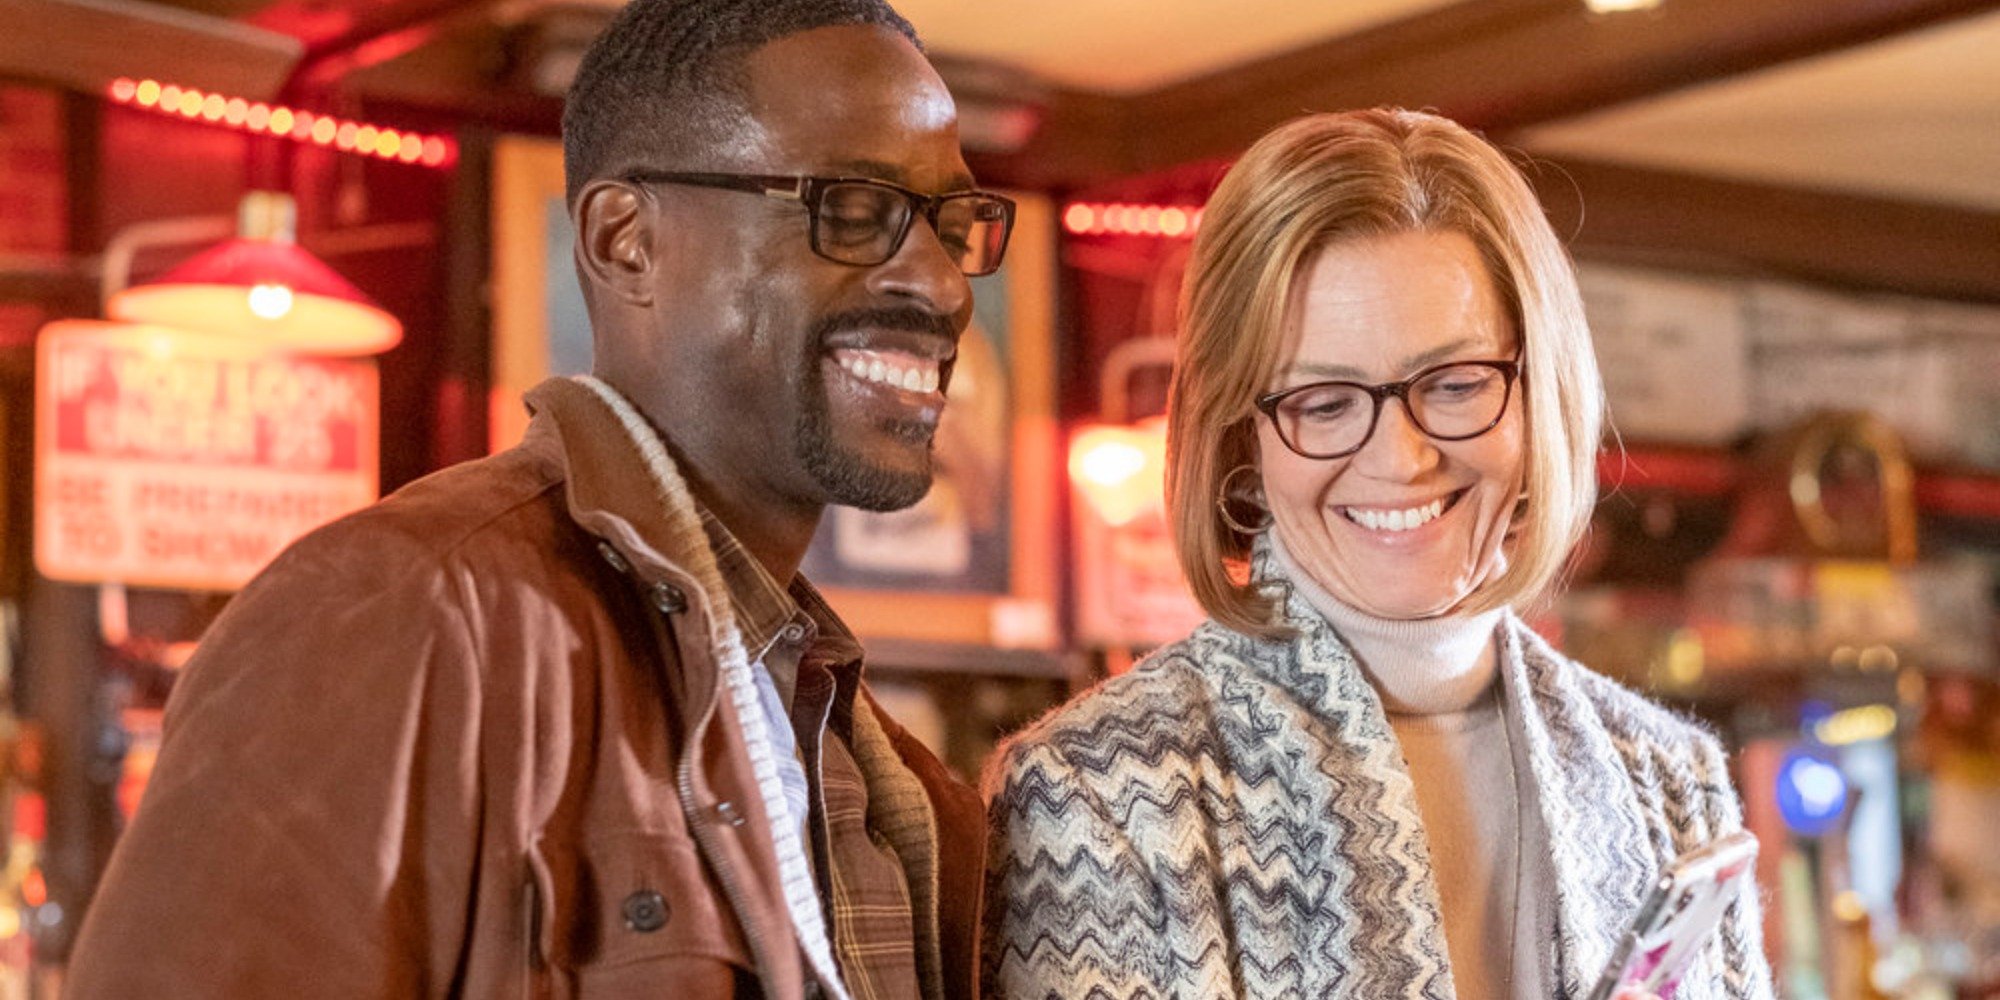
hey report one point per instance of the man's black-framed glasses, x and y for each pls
(1448, 402)
(862, 221)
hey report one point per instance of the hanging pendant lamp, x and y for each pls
(262, 285)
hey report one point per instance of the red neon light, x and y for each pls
(260, 118)
(1117, 219)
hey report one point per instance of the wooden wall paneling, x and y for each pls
(459, 414)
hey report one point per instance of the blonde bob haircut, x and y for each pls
(1329, 178)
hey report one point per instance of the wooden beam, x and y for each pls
(1708, 224)
(367, 36)
(324, 26)
(453, 80)
(499, 109)
(1491, 64)
(85, 44)
(61, 285)
(1082, 138)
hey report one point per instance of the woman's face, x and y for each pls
(1409, 525)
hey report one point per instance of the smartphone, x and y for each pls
(1677, 918)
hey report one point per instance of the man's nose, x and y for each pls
(921, 269)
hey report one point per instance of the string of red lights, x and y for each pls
(260, 118)
(1084, 218)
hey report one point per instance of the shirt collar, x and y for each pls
(764, 609)
(834, 645)
(761, 605)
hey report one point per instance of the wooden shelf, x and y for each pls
(1958, 493)
(1705, 472)
(1712, 472)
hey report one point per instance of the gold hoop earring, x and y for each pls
(1252, 497)
(1520, 506)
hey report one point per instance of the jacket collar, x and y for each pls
(647, 517)
(620, 483)
(623, 486)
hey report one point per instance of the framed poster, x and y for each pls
(971, 564)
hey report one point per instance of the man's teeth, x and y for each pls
(920, 376)
(1396, 520)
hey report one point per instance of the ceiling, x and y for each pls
(1894, 100)
(1852, 142)
(1913, 116)
(1126, 47)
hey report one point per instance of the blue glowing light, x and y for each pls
(1812, 793)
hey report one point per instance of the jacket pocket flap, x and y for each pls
(633, 896)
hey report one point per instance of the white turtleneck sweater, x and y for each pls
(1438, 680)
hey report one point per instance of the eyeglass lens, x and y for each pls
(865, 224)
(1450, 403)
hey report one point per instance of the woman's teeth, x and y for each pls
(918, 376)
(1395, 520)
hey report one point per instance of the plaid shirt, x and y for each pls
(870, 821)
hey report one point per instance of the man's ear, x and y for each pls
(615, 248)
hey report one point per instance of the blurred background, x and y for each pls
(262, 261)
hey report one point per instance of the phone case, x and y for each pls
(1677, 918)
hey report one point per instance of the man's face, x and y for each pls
(811, 381)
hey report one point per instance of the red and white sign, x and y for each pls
(167, 459)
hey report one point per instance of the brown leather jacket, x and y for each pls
(469, 743)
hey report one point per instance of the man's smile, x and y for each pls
(894, 369)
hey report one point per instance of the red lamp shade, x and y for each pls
(268, 289)
(1120, 470)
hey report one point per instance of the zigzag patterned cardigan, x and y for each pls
(1234, 818)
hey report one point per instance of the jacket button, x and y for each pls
(645, 911)
(669, 599)
(727, 812)
(612, 556)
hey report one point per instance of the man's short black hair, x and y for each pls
(664, 79)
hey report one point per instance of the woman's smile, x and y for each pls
(1399, 518)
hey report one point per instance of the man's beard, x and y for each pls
(848, 478)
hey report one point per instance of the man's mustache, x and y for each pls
(904, 318)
